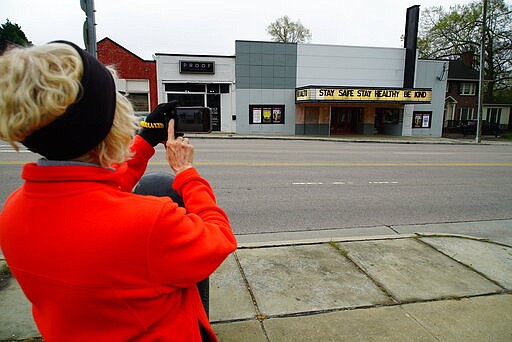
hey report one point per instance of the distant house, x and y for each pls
(137, 76)
(498, 112)
(461, 101)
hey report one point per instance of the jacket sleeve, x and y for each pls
(136, 166)
(186, 246)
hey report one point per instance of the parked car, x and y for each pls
(488, 128)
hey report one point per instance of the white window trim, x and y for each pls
(467, 86)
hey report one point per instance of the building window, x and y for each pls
(467, 88)
(224, 88)
(422, 120)
(139, 101)
(212, 88)
(199, 94)
(389, 115)
(493, 115)
(466, 114)
(187, 100)
(266, 114)
(185, 87)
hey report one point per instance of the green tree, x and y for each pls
(286, 31)
(13, 33)
(448, 33)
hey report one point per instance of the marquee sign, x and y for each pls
(375, 95)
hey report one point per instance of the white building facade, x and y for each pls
(312, 89)
(199, 80)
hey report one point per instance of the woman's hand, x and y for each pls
(154, 127)
(179, 151)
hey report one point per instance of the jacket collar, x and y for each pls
(36, 174)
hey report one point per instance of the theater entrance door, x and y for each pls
(345, 120)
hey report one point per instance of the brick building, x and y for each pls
(137, 76)
(462, 92)
(461, 103)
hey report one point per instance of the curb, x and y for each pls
(314, 241)
(404, 140)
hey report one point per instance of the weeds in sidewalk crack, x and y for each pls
(340, 250)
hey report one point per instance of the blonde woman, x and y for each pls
(98, 262)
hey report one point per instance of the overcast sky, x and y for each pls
(211, 27)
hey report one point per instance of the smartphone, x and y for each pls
(193, 120)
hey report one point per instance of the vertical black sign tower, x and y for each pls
(410, 45)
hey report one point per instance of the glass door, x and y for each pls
(345, 120)
(213, 102)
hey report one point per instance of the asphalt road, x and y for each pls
(282, 185)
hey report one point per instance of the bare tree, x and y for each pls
(286, 31)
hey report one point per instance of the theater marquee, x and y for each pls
(370, 95)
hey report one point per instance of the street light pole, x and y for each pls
(482, 74)
(89, 26)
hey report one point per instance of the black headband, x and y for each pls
(86, 122)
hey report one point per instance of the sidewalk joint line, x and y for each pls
(415, 319)
(393, 229)
(380, 286)
(321, 241)
(463, 264)
(467, 237)
(259, 315)
(370, 306)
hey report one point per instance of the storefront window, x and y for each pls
(389, 115)
(185, 87)
(187, 100)
(266, 114)
(139, 101)
(422, 120)
(224, 88)
(212, 88)
(199, 94)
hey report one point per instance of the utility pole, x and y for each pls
(482, 75)
(89, 26)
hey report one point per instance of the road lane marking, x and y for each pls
(319, 164)
(342, 183)
(383, 182)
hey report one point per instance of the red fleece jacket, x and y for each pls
(100, 263)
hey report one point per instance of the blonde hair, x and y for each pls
(37, 84)
(115, 148)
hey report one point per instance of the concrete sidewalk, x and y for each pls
(400, 288)
(452, 139)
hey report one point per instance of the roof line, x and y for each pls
(125, 49)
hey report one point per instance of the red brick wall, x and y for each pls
(129, 65)
(463, 101)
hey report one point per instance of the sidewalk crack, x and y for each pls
(410, 315)
(381, 287)
(393, 229)
(259, 315)
(469, 267)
